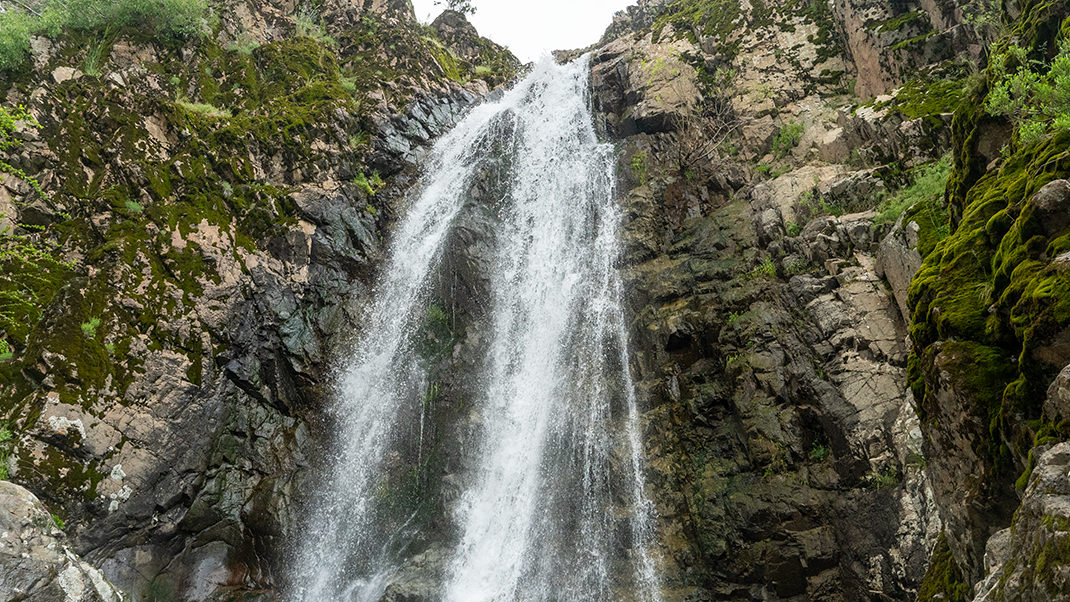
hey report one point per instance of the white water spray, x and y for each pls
(554, 506)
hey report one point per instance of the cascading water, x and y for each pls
(553, 507)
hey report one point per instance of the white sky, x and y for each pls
(531, 28)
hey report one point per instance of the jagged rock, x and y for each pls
(175, 430)
(643, 96)
(1057, 404)
(958, 471)
(36, 561)
(1030, 561)
(1052, 206)
(898, 260)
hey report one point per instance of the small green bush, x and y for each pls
(819, 453)
(170, 21)
(6, 437)
(1033, 96)
(928, 187)
(244, 45)
(788, 138)
(639, 168)
(89, 329)
(8, 141)
(371, 185)
(16, 27)
(309, 25)
(766, 269)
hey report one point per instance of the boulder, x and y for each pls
(36, 565)
(898, 260)
(1052, 207)
(1057, 405)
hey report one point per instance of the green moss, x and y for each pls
(913, 41)
(988, 291)
(707, 18)
(896, 22)
(943, 579)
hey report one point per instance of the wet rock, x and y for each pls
(1057, 404)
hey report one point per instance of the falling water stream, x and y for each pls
(553, 505)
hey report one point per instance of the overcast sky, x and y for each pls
(531, 28)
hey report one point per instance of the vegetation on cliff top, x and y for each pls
(169, 20)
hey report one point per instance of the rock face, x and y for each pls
(1028, 562)
(214, 222)
(785, 449)
(36, 562)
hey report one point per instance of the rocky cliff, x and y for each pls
(209, 220)
(803, 447)
(846, 257)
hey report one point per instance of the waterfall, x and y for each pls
(553, 505)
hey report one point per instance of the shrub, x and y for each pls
(462, 6)
(309, 25)
(5, 450)
(371, 185)
(1033, 96)
(16, 27)
(89, 329)
(928, 187)
(819, 453)
(93, 58)
(244, 45)
(8, 121)
(767, 269)
(639, 169)
(787, 138)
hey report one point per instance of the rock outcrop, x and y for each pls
(847, 374)
(1028, 561)
(36, 562)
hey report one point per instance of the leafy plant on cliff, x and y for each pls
(5, 450)
(787, 138)
(639, 167)
(371, 185)
(310, 25)
(1035, 97)
(89, 329)
(168, 20)
(462, 6)
(9, 120)
(928, 187)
